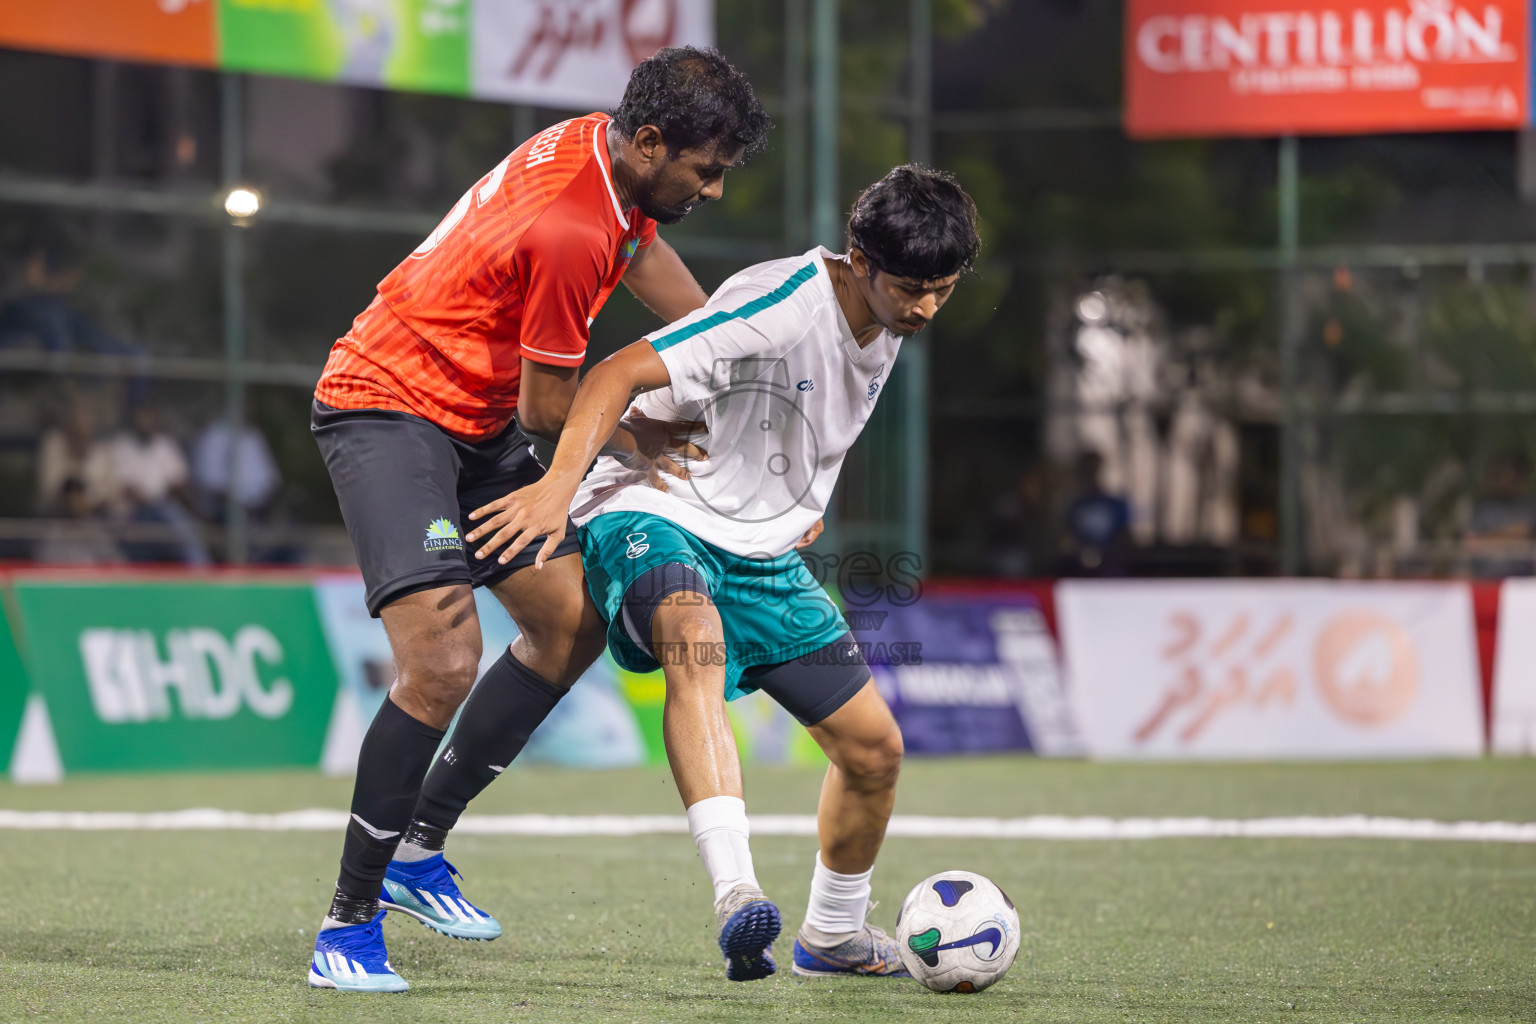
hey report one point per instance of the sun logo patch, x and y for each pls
(442, 535)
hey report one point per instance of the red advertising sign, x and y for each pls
(155, 31)
(1322, 67)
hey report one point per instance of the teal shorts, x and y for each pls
(773, 609)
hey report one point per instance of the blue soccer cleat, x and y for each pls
(749, 923)
(869, 954)
(353, 959)
(425, 890)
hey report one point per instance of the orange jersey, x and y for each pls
(517, 269)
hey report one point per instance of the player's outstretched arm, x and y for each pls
(513, 522)
(658, 277)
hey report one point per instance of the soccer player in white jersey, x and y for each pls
(783, 368)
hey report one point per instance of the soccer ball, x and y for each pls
(958, 932)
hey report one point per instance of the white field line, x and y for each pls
(1355, 826)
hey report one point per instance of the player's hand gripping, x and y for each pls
(661, 446)
(809, 536)
(539, 510)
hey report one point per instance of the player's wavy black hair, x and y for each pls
(695, 97)
(916, 222)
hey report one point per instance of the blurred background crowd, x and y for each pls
(1140, 379)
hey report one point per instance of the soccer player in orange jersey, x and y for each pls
(414, 415)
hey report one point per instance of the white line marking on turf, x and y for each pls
(1353, 826)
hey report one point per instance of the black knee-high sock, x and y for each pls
(504, 708)
(394, 758)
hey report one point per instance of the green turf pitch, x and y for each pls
(191, 926)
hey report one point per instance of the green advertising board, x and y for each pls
(404, 44)
(179, 675)
(14, 687)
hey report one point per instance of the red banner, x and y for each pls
(155, 31)
(1323, 67)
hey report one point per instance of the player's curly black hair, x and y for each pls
(916, 222)
(695, 97)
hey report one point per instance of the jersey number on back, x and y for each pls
(481, 191)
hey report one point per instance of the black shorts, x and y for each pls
(814, 685)
(406, 489)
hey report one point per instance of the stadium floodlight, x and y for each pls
(242, 203)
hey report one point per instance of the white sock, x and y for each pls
(838, 906)
(719, 827)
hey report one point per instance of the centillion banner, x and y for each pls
(1321, 67)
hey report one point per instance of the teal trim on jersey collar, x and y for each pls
(757, 305)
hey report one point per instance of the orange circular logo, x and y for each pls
(1366, 669)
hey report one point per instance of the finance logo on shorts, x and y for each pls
(637, 545)
(442, 535)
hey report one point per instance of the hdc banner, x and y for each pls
(143, 674)
(1279, 67)
(1273, 669)
(14, 688)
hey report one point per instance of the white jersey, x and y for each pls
(771, 368)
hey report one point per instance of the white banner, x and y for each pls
(1272, 669)
(577, 53)
(1514, 670)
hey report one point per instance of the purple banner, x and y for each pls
(968, 674)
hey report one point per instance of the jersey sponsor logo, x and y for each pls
(442, 535)
(806, 385)
(637, 545)
(874, 382)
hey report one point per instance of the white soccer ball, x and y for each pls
(958, 932)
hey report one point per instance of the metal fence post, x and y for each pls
(915, 350)
(231, 126)
(1290, 342)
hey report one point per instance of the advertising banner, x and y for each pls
(148, 674)
(1317, 67)
(153, 31)
(421, 45)
(1272, 669)
(610, 719)
(592, 727)
(577, 52)
(14, 688)
(1514, 671)
(968, 674)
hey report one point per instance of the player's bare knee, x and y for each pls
(873, 763)
(439, 682)
(557, 630)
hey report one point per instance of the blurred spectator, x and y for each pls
(77, 537)
(1017, 527)
(256, 478)
(42, 315)
(1501, 531)
(71, 451)
(152, 481)
(1097, 523)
